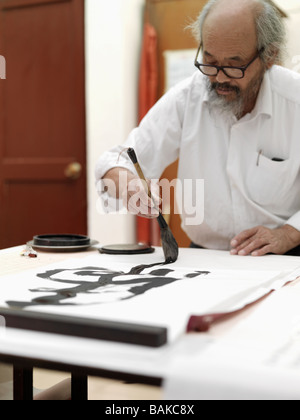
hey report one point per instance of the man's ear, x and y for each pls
(273, 58)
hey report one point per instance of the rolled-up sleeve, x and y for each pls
(294, 221)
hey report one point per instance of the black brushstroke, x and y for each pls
(137, 286)
(139, 268)
(196, 274)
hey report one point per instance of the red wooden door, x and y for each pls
(42, 119)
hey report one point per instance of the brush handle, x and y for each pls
(169, 244)
(132, 155)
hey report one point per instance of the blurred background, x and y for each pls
(79, 77)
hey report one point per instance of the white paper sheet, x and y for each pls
(258, 360)
(100, 287)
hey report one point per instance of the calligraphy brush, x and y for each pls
(169, 244)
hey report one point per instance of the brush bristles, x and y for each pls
(169, 245)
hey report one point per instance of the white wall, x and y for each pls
(113, 42)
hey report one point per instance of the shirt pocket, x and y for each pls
(272, 184)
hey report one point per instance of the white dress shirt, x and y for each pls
(243, 185)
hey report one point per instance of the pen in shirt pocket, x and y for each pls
(258, 157)
(274, 159)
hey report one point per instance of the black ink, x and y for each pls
(197, 273)
(139, 268)
(137, 285)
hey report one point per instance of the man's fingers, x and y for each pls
(236, 250)
(248, 241)
(261, 241)
(242, 237)
(136, 199)
(252, 246)
(262, 251)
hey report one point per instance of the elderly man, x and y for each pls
(235, 124)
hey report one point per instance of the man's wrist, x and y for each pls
(293, 235)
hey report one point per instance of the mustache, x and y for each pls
(225, 86)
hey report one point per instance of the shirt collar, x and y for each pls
(264, 99)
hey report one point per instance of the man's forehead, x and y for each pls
(237, 55)
(230, 26)
(227, 47)
(237, 11)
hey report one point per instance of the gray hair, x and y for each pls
(270, 29)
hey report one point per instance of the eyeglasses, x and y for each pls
(229, 71)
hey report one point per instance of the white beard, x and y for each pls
(237, 106)
(227, 108)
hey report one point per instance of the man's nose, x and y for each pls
(221, 77)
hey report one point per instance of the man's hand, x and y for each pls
(260, 240)
(137, 201)
(121, 183)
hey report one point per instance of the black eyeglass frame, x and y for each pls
(218, 68)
